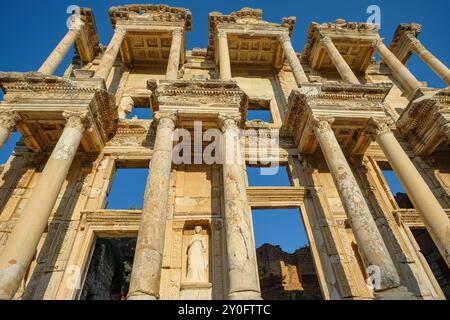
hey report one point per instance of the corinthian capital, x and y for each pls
(76, 119)
(378, 126)
(221, 34)
(376, 42)
(9, 119)
(322, 123)
(284, 36)
(415, 43)
(165, 119)
(177, 32)
(326, 40)
(229, 121)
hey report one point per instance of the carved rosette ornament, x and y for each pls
(9, 119)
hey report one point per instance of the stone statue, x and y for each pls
(197, 264)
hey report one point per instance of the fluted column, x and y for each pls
(242, 267)
(423, 199)
(291, 56)
(8, 121)
(126, 106)
(110, 55)
(146, 273)
(368, 238)
(57, 56)
(24, 238)
(339, 62)
(400, 71)
(174, 55)
(224, 56)
(434, 63)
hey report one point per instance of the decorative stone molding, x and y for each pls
(9, 119)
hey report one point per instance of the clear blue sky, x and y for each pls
(29, 30)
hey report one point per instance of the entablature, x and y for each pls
(353, 40)
(426, 121)
(41, 100)
(149, 31)
(196, 99)
(351, 107)
(401, 42)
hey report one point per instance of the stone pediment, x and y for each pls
(400, 46)
(40, 101)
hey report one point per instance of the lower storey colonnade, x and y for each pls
(241, 265)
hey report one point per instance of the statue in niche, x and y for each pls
(197, 260)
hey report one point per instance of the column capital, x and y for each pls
(221, 34)
(166, 119)
(446, 130)
(9, 119)
(326, 40)
(177, 32)
(414, 43)
(376, 42)
(284, 36)
(121, 30)
(379, 126)
(322, 122)
(76, 119)
(229, 121)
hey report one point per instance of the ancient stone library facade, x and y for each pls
(339, 119)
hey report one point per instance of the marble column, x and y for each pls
(110, 55)
(370, 243)
(339, 62)
(8, 121)
(24, 238)
(242, 267)
(434, 63)
(423, 199)
(125, 107)
(57, 56)
(291, 56)
(146, 273)
(400, 71)
(174, 55)
(224, 56)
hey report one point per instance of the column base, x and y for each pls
(399, 293)
(245, 295)
(141, 297)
